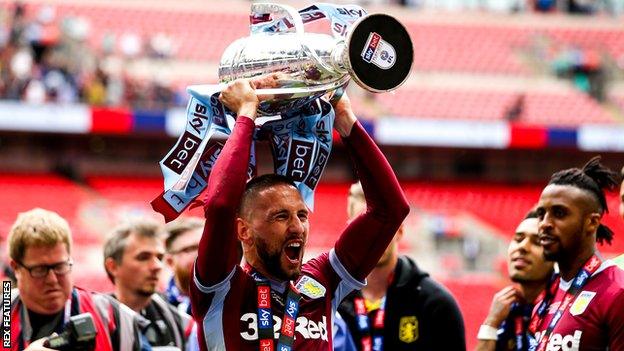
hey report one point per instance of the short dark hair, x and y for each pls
(531, 214)
(259, 183)
(180, 226)
(117, 239)
(593, 178)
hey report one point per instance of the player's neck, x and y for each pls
(264, 273)
(379, 280)
(569, 266)
(260, 268)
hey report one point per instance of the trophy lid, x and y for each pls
(380, 53)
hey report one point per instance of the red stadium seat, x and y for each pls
(501, 206)
(23, 192)
(569, 108)
(451, 47)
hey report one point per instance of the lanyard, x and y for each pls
(372, 335)
(518, 323)
(265, 315)
(520, 315)
(519, 331)
(582, 277)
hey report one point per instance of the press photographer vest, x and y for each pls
(106, 316)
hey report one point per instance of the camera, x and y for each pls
(79, 335)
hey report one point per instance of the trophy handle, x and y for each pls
(291, 19)
(290, 15)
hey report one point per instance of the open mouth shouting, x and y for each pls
(293, 251)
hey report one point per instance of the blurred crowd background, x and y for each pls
(502, 93)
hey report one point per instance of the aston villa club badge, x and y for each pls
(408, 329)
(582, 301)
(310, 287)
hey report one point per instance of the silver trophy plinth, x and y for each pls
(375, 50)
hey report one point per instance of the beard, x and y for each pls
(183, 278)
(272, 260)
(566, 253)
(553, 256)
(146, 291)
(517, 278)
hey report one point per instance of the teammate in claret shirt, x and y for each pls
(274, 301)
(582, 308)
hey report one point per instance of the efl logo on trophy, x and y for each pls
(374, 50)
(379, 52)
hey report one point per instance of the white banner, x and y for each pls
(175, 121)
(55, 118)
(442, 133)
(601, 137)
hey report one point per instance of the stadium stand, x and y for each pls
(487, 69)
(485, 48)
(329, 215)
(22, 192)
(516, 49)
(447, 47)
(570, 108)
(473, 294)
(500, 205)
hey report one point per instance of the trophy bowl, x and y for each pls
(376, 51)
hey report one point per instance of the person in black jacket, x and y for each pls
(401, 307)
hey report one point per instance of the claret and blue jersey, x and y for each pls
(225, 296)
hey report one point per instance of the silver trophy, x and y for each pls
(375, 50)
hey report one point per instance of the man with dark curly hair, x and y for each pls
(582, 307)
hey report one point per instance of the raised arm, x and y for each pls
(218, 252)
(365, 239)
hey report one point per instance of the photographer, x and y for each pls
(46, 299)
